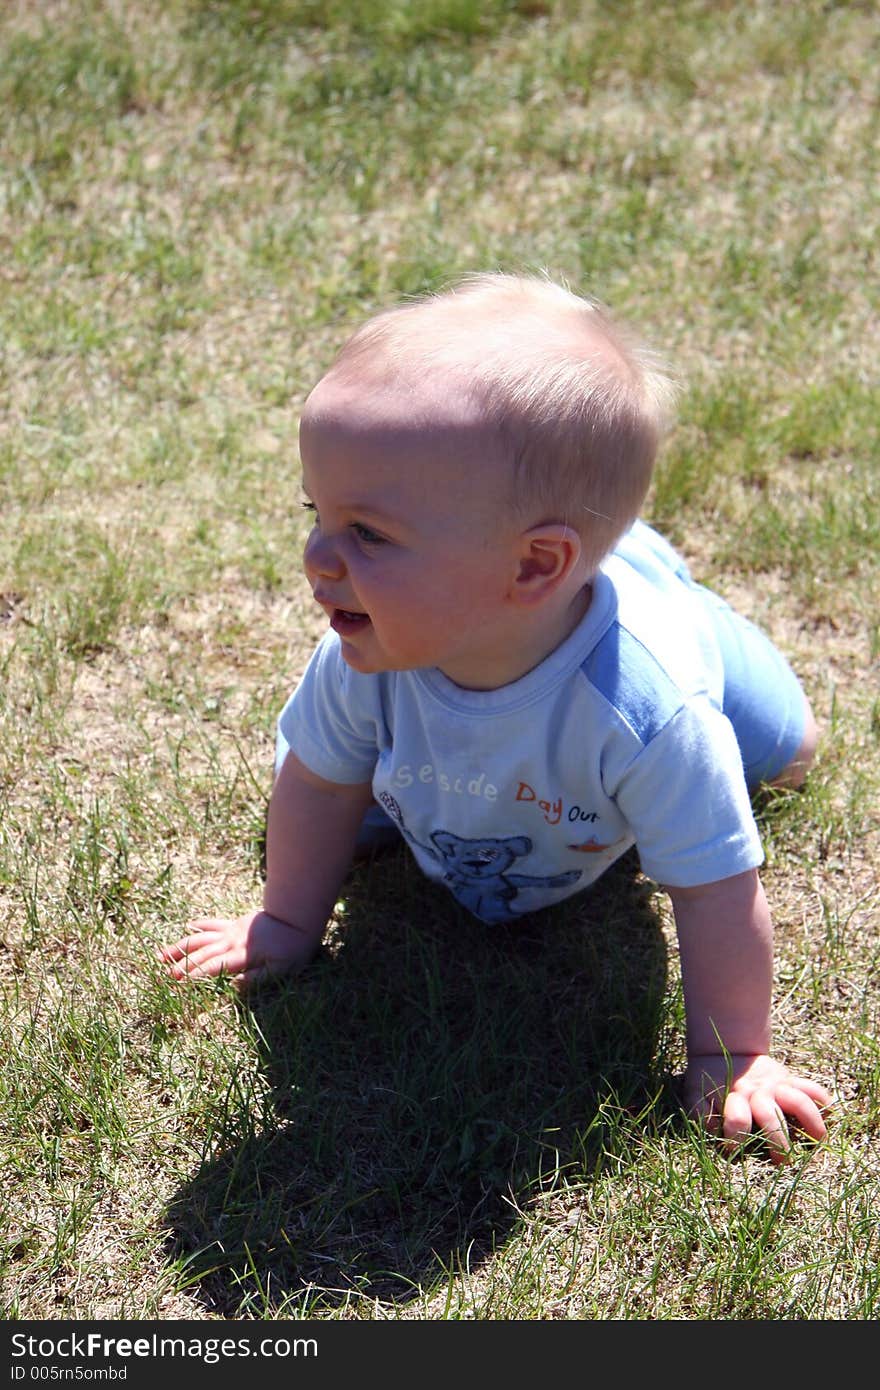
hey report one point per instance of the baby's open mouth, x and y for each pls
(346, 622)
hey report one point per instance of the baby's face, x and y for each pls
(413, 551)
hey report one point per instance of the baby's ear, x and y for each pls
(548, 554)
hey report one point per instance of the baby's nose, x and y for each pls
(321, 557)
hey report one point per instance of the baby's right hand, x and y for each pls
(248, 949)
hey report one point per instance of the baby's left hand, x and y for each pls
(737, 1093)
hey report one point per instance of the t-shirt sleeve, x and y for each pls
(332, 719)
(685, 799)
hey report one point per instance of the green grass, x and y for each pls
(197, 201)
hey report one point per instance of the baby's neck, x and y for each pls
(541, 639)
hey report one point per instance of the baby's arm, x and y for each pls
(726, 942)
(310, 837)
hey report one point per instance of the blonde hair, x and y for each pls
(578, 405)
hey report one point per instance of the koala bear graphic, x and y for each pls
(476, 872)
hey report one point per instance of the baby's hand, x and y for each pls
(734, 1093)
(248, 949)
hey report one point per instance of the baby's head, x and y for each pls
(571, 407)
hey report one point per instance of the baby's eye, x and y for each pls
(364, 534)
(310, 507)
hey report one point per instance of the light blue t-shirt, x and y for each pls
(519, 797)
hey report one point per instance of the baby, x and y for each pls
(520, 678)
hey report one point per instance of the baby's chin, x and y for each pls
(369, 663)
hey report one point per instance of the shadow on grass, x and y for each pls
(424, 1078)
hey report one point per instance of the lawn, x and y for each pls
(198, 200)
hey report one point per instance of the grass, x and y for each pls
(197, 200)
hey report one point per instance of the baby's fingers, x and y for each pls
(803, 1108)
(769, 1119)
(196, 965)
(198, 934)
(198, 957)
(257, 975)
(177, 950)
(737, 1120)
(818, 1094)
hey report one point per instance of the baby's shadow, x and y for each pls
(426, 1077)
